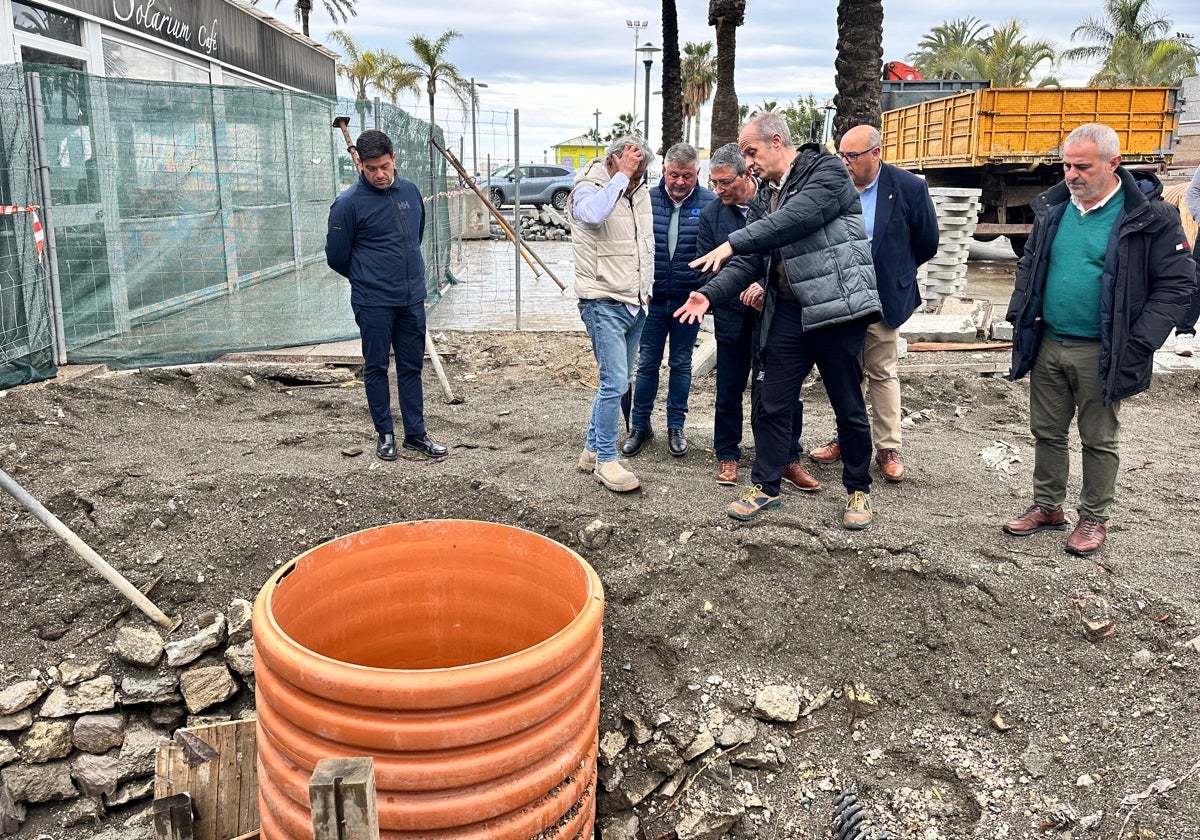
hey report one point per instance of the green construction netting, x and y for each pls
(188, 221)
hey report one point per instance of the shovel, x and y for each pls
(83, 550)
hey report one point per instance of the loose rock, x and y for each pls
(46, 741)
(138, 646)
(39, 782)
(20, 696)
(777, 702)
(98, 733)
(204, 688)
(186, 651)
(98, 695)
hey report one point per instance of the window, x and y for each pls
(53, 25)
(125, 61)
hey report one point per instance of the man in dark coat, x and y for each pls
(903, 228)
(805, 240)
(374, 240)
(1107, 272)
(735, 324)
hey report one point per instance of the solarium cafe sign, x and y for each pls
(161, 20)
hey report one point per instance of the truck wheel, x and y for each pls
(1018, 244)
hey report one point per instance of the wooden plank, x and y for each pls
(247, 748)
(222, 784)
(173, 817)
(341, 795)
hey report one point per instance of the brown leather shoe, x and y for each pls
(890, 465)
(1087, 538)
(800, 478)
(828, 454)
(1037, 518)
(727, 473)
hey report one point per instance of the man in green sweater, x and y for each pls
(1107, 272)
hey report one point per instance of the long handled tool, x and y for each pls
(83, 550)
(503, 222)
(443, 380)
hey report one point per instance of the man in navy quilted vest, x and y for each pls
(676, 202)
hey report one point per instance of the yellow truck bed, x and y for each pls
(997, 126)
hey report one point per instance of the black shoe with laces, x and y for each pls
(636, 440)
(676, 442)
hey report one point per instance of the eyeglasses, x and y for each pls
(723, 183)
(850, 157)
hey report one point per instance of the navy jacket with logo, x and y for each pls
(374, 240)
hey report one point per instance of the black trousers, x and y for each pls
(399, 329)
(790, 355)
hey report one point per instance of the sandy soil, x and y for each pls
(193, 475)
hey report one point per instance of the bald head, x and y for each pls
(859, 150)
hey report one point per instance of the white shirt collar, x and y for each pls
(1079, 205)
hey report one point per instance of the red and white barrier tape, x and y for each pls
(39, 235)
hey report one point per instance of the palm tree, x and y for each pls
(1133, 46)
(340, 10)
(859, 63)
(1006, 59)
(770, 106)
(432, 68)
(1132, 63)
(363, 69)
(672, 88)
(625, 124)
(932, 57)
(395, 79)
(698, 76)
(726, 16)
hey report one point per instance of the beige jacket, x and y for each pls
(615, 260)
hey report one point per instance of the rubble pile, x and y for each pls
(73, 733)
(946, 274)
(540, 225)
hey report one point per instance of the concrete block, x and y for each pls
(932, 327)
(1002, 331)
(704, 356)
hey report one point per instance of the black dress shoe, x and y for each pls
(386, 447)
(636, 440)
(426, 445)
(676, 442)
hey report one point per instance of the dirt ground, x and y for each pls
(998, 718)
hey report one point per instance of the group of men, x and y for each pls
(805, 261)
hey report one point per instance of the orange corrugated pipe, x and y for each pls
(463, 657)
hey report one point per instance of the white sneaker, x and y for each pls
(614, 476)
(1183, 343)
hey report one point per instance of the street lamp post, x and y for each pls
(474, 141)
(637, 26)
(647, 50)
(597, 137)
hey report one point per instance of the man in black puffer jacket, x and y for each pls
(1106, 273)
(806, 240)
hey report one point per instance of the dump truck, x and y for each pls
(1007, 142)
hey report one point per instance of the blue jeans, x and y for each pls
(400, 330)
(614, 332)
(662, 326)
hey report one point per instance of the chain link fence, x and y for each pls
(183, 221)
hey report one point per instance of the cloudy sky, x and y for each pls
(560, 62)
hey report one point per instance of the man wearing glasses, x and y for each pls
(903, 229)
(734, 324)
(805, 240)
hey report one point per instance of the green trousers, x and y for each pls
(1066, 378)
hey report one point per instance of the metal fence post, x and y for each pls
(57, 326)
(517, 207)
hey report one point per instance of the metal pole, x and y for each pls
(43, 170)
(517, 206)
(646, 121)
(597, 138)
(378, 115)
(474, 140)
(637, 26)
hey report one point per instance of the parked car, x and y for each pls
(540, 184)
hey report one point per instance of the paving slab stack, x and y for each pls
(946, 274)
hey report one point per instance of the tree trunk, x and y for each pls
(304, 7)
(672, 86)
(699, 108)
(859, 65)
(726, 16)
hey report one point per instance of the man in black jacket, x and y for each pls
(1107, 272)
(805, 239)
(735, 324)
(374, 240)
